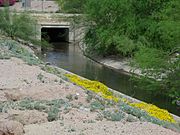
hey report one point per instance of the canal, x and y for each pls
(70, 57)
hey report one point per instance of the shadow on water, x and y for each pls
(69, 57)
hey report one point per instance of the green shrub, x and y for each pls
(96, 105)
(52, 107)
(143, 116)
(40, 77)
(113, 116)
(53, 113)
(71, 6)
(15, 50)
(17, 25)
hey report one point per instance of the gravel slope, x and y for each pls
(19, 80)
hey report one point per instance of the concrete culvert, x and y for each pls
(55, 34)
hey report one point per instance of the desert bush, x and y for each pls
(96, 105)
(15, 50)
(113, 116)
(17, 25)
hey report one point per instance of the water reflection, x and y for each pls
(69, 57)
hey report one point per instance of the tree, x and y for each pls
(71, 6)
(147, 31)
(17, 25)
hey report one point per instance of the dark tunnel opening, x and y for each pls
(53, 35)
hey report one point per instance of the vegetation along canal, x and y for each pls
(70, 57)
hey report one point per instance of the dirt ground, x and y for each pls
(19, 80)
(35, 102)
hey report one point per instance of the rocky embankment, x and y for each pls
(37, 99)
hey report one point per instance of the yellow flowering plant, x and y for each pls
(94, 86)
(154, 111)
(103, 91)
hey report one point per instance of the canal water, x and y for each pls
(70, 57)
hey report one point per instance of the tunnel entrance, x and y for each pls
(55, 34)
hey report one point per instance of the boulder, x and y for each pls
(11, 128)
(28, 116)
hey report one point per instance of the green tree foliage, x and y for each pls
(71, 6)
(112, 27)
(17, 25)
(157, 48)
(148, 31)
(121, 25)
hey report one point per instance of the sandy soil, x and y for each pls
(98, 128)
(19, 80)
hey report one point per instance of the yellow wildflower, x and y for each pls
(103, 91)
(155, 111)
(94, 86)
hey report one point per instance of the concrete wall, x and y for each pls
(75, 34)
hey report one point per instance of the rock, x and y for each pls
(20, 40)
(48, 63)
(76, 97)
(11, 95)
(11, 128)
(178, 102)
(28, 117)
(30, 45)
(131, 118)
(4, 116)
(2, 96)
